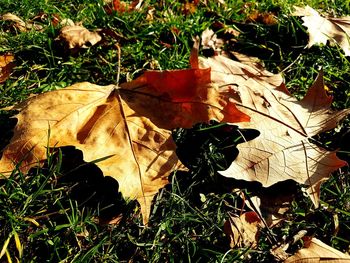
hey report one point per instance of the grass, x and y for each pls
(56, 213)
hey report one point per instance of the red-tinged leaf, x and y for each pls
(127, 128)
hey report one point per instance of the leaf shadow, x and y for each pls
(7, 123)
(206, 149)
(86, 183)
(211, 146)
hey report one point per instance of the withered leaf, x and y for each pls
(6, 66)
(19, 24)
(77, 36)
(283, 150)
(322, 29)
(316, 251)
(266, 18)
(243, 231)
(126, 128)
(121, 6)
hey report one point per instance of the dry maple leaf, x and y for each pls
(316, 251)
(77, 36)
(243, 231)
(283, 150)
(126, 128)
(271, 203)
(6, 66)
(322, 29)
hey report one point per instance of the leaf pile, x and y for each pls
(126, 129)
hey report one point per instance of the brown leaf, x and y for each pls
(189, 7)
(121, 6)
(273, 202)
(77, 36)
(317, 251)
(210, 40)
(6, 66)
(19, 24)
(322, 29)
(243, 231)
(283, 150)
(127, 128)
(266, 18)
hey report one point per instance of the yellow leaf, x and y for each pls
(6, 66)
(130, 124)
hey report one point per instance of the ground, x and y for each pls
(47, 216)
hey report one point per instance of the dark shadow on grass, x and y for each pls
(206, 149)
(7, 125)
(94, 196)
(87, 184)
(209, 148)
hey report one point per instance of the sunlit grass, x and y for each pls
(53, 214)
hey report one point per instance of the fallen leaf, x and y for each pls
(210, 40)
(322, 29)
(150, 13)
(278, 251)
(65, 22)
(253, 62)
(266, 18)
(121, 6)
(113, 221)
(6, 66)
(283, 150)
(317, 251)
(243, 231)
(126, 130)
(77, 36)
(189, 8)
(273, 202)
(19, 24)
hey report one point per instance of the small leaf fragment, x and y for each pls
(6, 66)
(316, 251)
(322, 28)
(77, 36)
(243, 231)
(19, 24)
